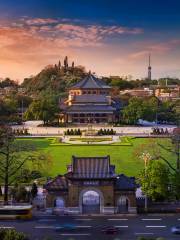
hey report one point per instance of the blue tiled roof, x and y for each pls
(90, 108)
(91, 82)
(58, 183)
(91, 98)
(92, 167)
(125, 183)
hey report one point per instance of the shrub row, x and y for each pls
(21, 132)
(160, 131)
(106, 132)
(73, 132)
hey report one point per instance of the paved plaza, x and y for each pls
(33, 129)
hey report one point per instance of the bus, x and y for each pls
(16, 212)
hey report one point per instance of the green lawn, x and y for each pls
(122, 156)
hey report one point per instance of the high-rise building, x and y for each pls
(149, 68)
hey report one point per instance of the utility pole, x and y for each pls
(146, 199)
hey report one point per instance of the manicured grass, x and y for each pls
(122, 156)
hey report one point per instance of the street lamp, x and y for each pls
(146, 157)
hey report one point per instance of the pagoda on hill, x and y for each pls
(89, 101)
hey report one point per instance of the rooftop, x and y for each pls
(91, 98)
(124, 182)
(92, 167)
(90, 82)
(90, 109)
(60, 182)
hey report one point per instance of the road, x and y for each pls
(89, 227)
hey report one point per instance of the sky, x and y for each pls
(108, 37)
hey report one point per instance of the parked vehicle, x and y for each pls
(110, 230)
(68, 226)
(175, 230)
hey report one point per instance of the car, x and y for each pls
(175, 229)
(67, 226)
(110, 230)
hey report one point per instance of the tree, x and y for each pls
(150, 108)
(133, 112)
(8, 110)
(168, 111)
(72, 65)
(13, 157)
(66, 63)
(59, 65)
(154, 180)
(42, 109)
(19, 193)
(34, 190)
(119, 82)
(0, 191)
(176, 144)
(7, 82)
(157, 151)
(176, 185)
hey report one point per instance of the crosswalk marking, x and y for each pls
(81, 226)
(83, 219)
(144, 233)
(121, 226)
(155, 226)
(75, 234)
(44, 227)
(115, 219)
(151, 219)
(53, 227)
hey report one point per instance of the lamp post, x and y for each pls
(146, 157)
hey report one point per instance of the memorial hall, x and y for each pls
(89, 101)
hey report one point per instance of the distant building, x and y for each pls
(89, 101)
(91, 186)
(146, 92)
(169, 92)
(2, 92)
(21, 90)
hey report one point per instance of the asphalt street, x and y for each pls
(90, 227)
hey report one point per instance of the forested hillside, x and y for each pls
(54, 79)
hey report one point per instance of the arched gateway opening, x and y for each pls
(123, 204)
(59, 202)
(90, 202)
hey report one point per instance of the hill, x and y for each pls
(54, 79)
